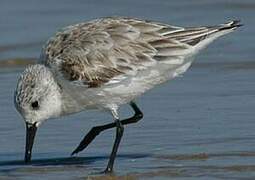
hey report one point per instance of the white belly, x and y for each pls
(125, 91)
(78, 98)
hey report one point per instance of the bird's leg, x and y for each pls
(119, 133)
(98, 129)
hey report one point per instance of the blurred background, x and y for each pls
(200, 126)
(26, 25)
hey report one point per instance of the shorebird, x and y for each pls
(103, 64)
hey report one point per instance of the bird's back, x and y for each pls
(127, 56)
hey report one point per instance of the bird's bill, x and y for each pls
(30, 135)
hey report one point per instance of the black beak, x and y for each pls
(31, 131)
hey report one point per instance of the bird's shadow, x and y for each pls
(69, 160)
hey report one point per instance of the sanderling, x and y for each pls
(103, 64)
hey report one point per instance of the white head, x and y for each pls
(37, 98)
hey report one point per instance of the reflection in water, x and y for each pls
(69, 160)
(82, 165)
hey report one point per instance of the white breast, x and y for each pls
(124, 91)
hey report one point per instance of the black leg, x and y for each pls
(119, 133)
(98, 129)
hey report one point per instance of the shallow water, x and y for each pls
(200, 126)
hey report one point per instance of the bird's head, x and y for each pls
(37, 98)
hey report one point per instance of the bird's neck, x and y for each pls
(68, 104)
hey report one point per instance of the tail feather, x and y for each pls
(194, 36)
(231, 25)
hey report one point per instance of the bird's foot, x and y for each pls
(108, 170)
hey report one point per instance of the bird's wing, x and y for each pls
(195, 35)
(108, 50)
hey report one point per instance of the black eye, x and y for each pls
(35, 105)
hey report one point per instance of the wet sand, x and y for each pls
(199, 126)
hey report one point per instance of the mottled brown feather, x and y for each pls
(94, 53)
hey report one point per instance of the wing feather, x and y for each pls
(109, 49)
